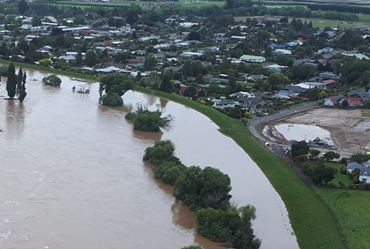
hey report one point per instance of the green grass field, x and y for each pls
(350, 208)
(366, 113)
(340, 177)
(311, 220)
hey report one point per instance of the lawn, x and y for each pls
(319, 23)
(311, 220)
(351, 209)
(366, 113)
(340, 177)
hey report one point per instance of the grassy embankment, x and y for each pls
(351, 208)
(52, 71)
(311, 221)
(366, 113)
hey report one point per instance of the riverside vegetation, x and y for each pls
(15, 84)
(206, 191)
(306, 211)
(145, 120)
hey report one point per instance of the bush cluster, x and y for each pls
(206, 191)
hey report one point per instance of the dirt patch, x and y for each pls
(349, 130)
(272, 134)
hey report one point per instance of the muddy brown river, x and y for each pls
(72, 176)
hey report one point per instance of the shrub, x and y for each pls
(52, 80)
(112, 100)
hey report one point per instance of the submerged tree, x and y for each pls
(52, 80)
(11, 83)
(21, 85)
(112, 87)
(145, 120)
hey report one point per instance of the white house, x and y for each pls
(223, 104)
(252, 58)
(357, 56)
(365, 175)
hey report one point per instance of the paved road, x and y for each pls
(282, 114)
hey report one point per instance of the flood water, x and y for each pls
(72, 176)
(301, 132)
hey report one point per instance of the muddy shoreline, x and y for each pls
(348, 129)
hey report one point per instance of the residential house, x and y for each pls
(255, 77)
(329, 83)
(223, 104)
(352, 166)
(236, 37)
(363, 95)
(173, 69)
(252, 58)
(221, 39)
(329, 75)
(357, 56)
(296, 89)
(250, 103)
(365, 175)
(332, 101)
(352, 102)
(325, 50)
(281, 51)
(243, 94)
(275, 67)
(277, 46)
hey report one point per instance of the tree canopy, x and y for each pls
(233, 226)
(112, 87)
(203, 188)
(52, 80)
(11, 82)
(145, 120)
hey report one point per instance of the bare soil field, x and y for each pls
(349, 130)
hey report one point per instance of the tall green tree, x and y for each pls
(36, 21)
(90, 58)
(22, 6)
(166, 85)
(112, 87)
(79, 58)
(11, 83)
(21, 85)
(4, 51)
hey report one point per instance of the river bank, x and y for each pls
(310, 220)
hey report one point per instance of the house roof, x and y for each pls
(354, 165)
(365, 169)
(354, 101)
(296, 89)
(334, 101)
(328, 81)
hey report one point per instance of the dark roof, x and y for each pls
(250, 102)
(354, 165)
(296, 89)
(363, 170)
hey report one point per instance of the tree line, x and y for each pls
(16, 83)
(206, 191)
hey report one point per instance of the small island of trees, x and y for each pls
(145, 120)
(52, 80)
(113, 87)
(206, 191)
